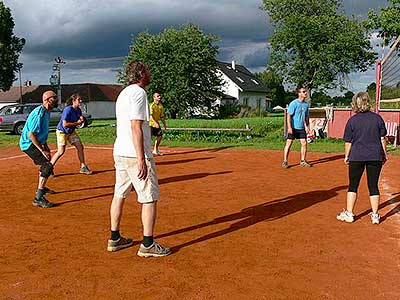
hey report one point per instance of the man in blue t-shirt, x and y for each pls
(33, 142)
(297, 127)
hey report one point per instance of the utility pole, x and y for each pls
(20, 82)
(55, 79)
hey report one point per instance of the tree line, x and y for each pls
(314, 44)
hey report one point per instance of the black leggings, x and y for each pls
(356, 169)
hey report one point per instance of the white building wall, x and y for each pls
(228, 86)
(252, 99)
(101, 109)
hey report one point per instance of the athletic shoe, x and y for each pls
(375, 218)
(119, 244)
(42, 202)
(156, 152)
(49, 191)
(85, 170)
(285, 165)
(155, 250)
(303, 163)
(345, 216)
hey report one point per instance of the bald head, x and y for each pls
(46, 95)
(49, 99)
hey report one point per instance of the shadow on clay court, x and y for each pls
(200, 150)
(84, 189)
(326, 159)
(249, 216)
(161, 181)
(392, 212)
(173, 162)
(77, 173)
(84, 199)
(189, 177)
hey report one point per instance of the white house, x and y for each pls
(240, 86)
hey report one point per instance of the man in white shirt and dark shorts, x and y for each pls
(134, 162)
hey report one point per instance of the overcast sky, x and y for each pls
(93, 36)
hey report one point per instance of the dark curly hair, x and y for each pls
(134, 71)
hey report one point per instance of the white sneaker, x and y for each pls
(375, 218)
(156, 152)
(345, 216)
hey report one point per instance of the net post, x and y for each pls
(378, 85)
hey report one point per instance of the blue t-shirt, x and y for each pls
(299, 111)
(70, 115)
(364, 131)
(37, 122)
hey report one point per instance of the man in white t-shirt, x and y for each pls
(134, 162)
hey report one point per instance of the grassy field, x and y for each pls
(266, 133)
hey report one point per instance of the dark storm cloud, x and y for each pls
(361, 7)
(83, 30)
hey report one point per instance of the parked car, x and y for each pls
(13, 117)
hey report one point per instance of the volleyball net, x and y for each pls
(388, 79)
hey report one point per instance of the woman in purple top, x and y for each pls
(71, 118)
(365, 148)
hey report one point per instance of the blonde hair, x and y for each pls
(361, 102)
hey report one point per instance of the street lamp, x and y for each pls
(55, 79)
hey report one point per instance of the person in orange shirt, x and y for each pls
(157, 114)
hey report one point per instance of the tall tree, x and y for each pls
(10, 49)
(315, 43)
(183, 67)
(387, 22)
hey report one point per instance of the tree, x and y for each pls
(321, 98)
(315, 44)
(388, 22)
(183, 67)
(274, 83)
(10, 48)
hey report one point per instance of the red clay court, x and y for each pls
(240, 227)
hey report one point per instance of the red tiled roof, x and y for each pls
(88, 92)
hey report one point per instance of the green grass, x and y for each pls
(267, 133)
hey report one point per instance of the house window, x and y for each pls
(240, 79)
(246, 101)
(255, 81)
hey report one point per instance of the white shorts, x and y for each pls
(126, 172)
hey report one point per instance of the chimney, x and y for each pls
(28, 83)
(233, 65)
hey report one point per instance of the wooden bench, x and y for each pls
(246, 129)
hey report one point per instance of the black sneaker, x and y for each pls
(49, 191)
(119, 244)
(42, 202)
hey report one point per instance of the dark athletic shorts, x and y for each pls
(297, 134)
(156, 131)
(37, 156)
